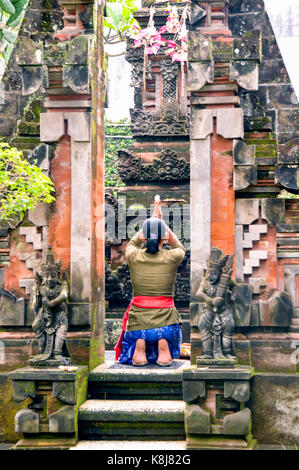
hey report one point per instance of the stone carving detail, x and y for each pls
(136, 58)
(169, 71)
(168, 167)
(168, 123)
(216, 324)
(51, 323)
(113, 286)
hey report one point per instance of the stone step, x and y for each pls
(132, 420)
(294, 329)
(130, 445)
(295, 322)
(118, 381)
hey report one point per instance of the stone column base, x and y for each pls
(216, 416)
(50, 420)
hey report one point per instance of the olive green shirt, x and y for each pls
(153, 275)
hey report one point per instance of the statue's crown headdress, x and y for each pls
(50, 264)
(216, 260)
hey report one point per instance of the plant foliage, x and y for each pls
(22, 185)
(112, 145)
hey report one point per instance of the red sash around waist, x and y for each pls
(141, 301)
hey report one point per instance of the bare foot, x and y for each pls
(139, 356)
(164, 353)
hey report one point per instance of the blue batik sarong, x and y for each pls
(172, 334)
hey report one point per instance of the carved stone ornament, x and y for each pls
(51, 323)
(136, 58)
(167, 122)
(168, 167)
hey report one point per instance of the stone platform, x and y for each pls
(122, 381)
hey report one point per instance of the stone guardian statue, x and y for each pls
(216, 324)
(51, 323)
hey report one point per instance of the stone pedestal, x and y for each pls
(216, 416)
(50, 419)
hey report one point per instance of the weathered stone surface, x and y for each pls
(200, 188)
(12, 310)
(243, 154)
(289, 152)
(288, 120)
(272, 355)
(255, 314)
(40, 156)
(33, 78)
(282, 97)
(63, 420)
(28, 52)
(273, 72)
(201, 124)
(230, 123)
(254, 103)
(248, 48)
(274, 404)
(247, 210)
(245, 6)
(38, 21)
(197, 421)
(242, 304)
(281, 309)
(239, 391)
(245, 73)
(193, 390)
(65, 391)
(240, 24)
(27, 421)
(287, 175)
(199, 73)
(23, 389)
(199, 47)
(273, 210)
(237, 423)
(256, 283)
(290, 274)
(76, 77)
(204, 373)
(195, 308)
(78, 313)
(51, 127)
(77, 51)
(244, 176)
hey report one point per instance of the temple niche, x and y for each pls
(158, 162)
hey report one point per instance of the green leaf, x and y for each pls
(15, 19)
(7, 6)
(9, 36)
(109, 25)
(114, 10)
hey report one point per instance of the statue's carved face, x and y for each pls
(50, 278)
(213, 275)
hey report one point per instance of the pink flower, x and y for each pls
(153, 49)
